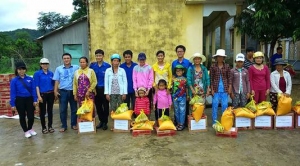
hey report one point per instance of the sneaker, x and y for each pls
(32, 132)
(27, 134)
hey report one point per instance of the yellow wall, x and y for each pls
(145, 26)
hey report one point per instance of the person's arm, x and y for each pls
(56, 79)
(273, 83)
(125, 82)
(170, 100)
(106, 82)
(154, 69)
(155, 98)
(207, 79)
(151, 79)
(190, 87)
(13, 92)
(267, 77)
(134, 79)
(75, 84)
(93, 81)
(248, 81)
(229, 77)
(289, 83)
(170, 77)
(212, 76)
(37, 84)
(33, 92)
(251, 78)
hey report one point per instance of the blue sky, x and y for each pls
(15, 14)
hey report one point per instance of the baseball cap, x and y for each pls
(142, 56)
(240, 57)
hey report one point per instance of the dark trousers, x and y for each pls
(46, 106)
(158, 113)
(24, 106)
(187, 112)
(130, 100)
(102, 105)
(66, 96)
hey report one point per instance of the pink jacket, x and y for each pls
(163, 99)
(142, 76)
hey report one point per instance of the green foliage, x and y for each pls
(80, 10)
(34, 34)
(51, 21)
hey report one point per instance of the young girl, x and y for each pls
(44, 89)
(115, 84)
(179, 96)
(162, 98)
(240, 83)
(23, 98)
(142, 102)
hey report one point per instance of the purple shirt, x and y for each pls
(163, 99)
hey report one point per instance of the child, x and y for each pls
(162, 98)
(142, 102)
(179, 96)
(23, 98)
(240, 83)
(221, 83)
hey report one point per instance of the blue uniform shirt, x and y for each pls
(128, 71)
(185, 63)
(100, 72)
(17, 89)
(44, 81)
(65, 76)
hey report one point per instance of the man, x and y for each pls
(180, 51)
(249, 57)
(276, 56)
(64, 77)
(102, 104)
(128, 66)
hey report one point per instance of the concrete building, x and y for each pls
(71, 38)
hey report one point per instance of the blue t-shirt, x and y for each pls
(128, 71)
(221, 88)
(185, 63)
(44, 81)
(100, 72)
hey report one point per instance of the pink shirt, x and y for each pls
(163, 99)
(259, 79)
(142, 76)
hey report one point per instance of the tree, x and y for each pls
(5, 43)
(269, 20)
(50, 21)
(80, 9)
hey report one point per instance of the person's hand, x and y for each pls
(95, 92)
(56, 94)
(212, 92)
(248, 95)
(107, 97)
(40, 99)
(193, 91)
(136, 94)
(75, 98)
(147, 92)
(229, 90)
(253, 93)
(87, 94)
(123, 97)
(13, 110)
(267, 92)
(231, 95)
(35, 104)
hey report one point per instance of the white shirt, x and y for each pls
(275, 77)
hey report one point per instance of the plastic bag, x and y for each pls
(87, 106)
(227, 119)
(122, 116)
(197, 109)
(243, 112)
(122, 108)
(196, 99)
(264, 105)
(167, 125)
(148, 125)
(142, 117)
(163, 117)
(251, 105)
(265, 108)
(284, 105)
(87, 116)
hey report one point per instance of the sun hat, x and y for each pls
(179, 67)
(220, 52)
(115, 56)
(142, 56)
(44, 60)
(199, 56)
(280, 61)
(142, 88)
(20, 65)
(240, 57)
(258, 54)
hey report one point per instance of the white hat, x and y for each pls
(220, 52)
(240, 57)
(44, 60)
(198, 55)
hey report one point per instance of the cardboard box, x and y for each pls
(162, 133)
(121, 126)
(285, 122)
(233, 133)
(136, 133)
(243, 123)
(297, 120)
(85, 126)
(199, 126)
(265, 122)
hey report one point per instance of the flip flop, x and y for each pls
(74, 128)
(51, 130)
(44, 131)
(62, 130)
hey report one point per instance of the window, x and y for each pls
(75, 50)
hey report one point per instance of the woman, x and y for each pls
(115, 83)
(44, 89)
(281, 82)
(23, 98)
(197, 77)
(259, 76)
(162, 70)
(84, 82)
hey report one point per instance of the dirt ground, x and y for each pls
(257, 147)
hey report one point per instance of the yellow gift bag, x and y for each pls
(227, 119)
(251, 105)
(198, 109)
(284, 105)
(265, 108)
(148, 125)
(122, 113)
(167, 125)
(243, 112)
(296, 107)
(88, 108)
(163, 117)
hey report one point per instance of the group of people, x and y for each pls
(143, 87)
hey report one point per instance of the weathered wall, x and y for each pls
(145, 26)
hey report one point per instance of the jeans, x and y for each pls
(102, 105)
(219, 97)
(46, 106)
(130, 100)
(180, 109)
(66, 96)
(24, 106)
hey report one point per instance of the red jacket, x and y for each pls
(142, 103)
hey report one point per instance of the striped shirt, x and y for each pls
(247, 64)
(142, 103)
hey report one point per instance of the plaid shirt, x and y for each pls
(215, 77)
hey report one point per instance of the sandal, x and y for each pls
(44, 131)
(62, 130)
(74, 128)
(180, 127)
(51, 130)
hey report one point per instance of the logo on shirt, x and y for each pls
(28, 81)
